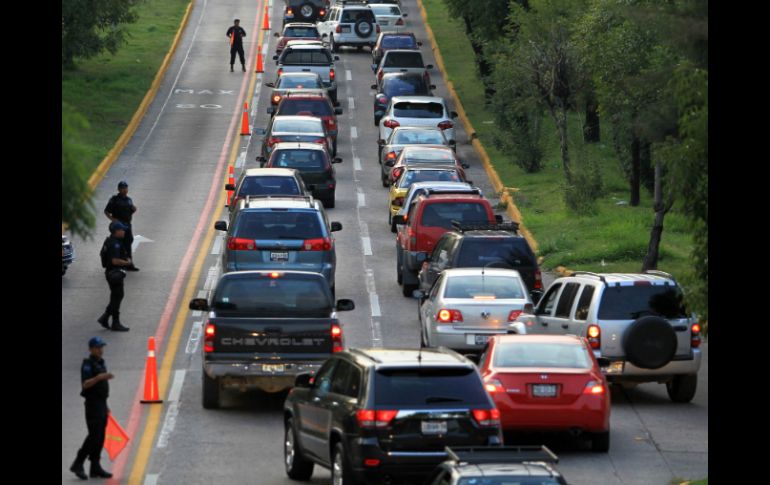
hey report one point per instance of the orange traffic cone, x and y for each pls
(230, 180)
(151, 375)
(265, 24)
(260, 68)
(245, 120)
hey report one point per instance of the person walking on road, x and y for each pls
(236, 35)
(96, 389)
(121, 208)
(114, 260)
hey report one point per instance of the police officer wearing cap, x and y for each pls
(96, 389)
(236, 34)
(121, 208)
(114, 259)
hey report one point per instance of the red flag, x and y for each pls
(115, 438)
(232, 38)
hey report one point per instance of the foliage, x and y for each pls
(90, 27)
(77, 207)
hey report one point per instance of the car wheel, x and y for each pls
(210, 392)
(335, 47)
(650, 342)
(334, 147)
(682, 387)
(600, 442)
(341, 473)
(297, 466)
(333, 96)
(399, 274)
(408, 289)
(393, 227)
(329, 203)
(385, 184)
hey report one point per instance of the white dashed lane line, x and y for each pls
(357, 164)
(348, 76)
(353, 132)
(351, 104)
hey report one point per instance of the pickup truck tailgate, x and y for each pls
(291, 337)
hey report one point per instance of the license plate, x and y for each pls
(279, 256)
(345, 28)
(613, 368)
(273, 367)
(383, 22)
(472, 339)
(544, 390)
(433, 427)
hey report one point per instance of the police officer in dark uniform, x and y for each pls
(121, 208)
(96, 389)
(114, 260)
(236, 35)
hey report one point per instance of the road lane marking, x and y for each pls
(195, 337)
(241, 160)
(348, 75)
(151, 479)
(351, 104)
(353, 132)
(361, 199)
(216, 249)
(375, 303)
(211, 278)
(367, 243)
(357, 164)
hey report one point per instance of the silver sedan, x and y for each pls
(467, 306)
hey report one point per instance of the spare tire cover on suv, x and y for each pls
(650, 342)
(363, 28)
(307, 10)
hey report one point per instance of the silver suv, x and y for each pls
(636, 323)
(350, 23)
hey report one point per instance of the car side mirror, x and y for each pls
(336, 104)
(498, 219)
(452, 143)
(432, 87)
(336, 58)
(429, 66)
(199, 304)
(399, 219)
(373, 86)
(220, 226)
(270, 110)
(453, 114)
(276, 34)
(404, 14)
(337, 160)
(269, 85)
(275, 58)
(381, 142)
(304, 381)
(465, 165)
(229, 186)
(345, 305)
(337, 111)
(336, 226)
(419, 44)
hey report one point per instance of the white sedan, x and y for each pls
(418, 111)
(389, 17)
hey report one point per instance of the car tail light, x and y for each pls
(320, 141)
(276, 98)
(400, 21)
(338, 29)
(371, 462)
(487, 417)
(382, 99)
(514, 315)
(399, 201)
(397, 172)
(280, 71)
(695, 338)
(449, 316)
(289, 12)
(445, 125)
(208, 337)
(494, 386)
(322, 12)
(391, 124)
(274, 275)
(538, 280)
(378, 29)
(412, 237)
(390, 157)
(273, 140)
(379, 75)
(369, 418)
(241, 244)
(320, 244)
(594, 336)
(331, 74)
(594, 387)
(338, 340)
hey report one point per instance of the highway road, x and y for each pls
(176, 169)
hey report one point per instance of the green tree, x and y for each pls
(89, 27)
(77, 208)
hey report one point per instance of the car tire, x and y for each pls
(334, 147)
(333, 289)
(399, 273)
(341, 473)
(333, 96)
(650, 342)
(297, 466)
(307, 7)
(363, 29)
(682, 387)
(385, 184)
(408, 289)
(329, 203)
(333, 45)
(210, 392)
(600, 442)
(393, 227)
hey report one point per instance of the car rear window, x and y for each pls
(305, 107)
(442, 214)
(515, 252)
(298, 126)
(484, 287)
(405, 86)
(306, 57)
(415, 137)
(385, 10)
(428, 385)
(268, 185)
(302, 160)
(398, 42)
(353, 16)
(411, 109)
(300, 82)
(429, 155)
(541, 354)
(632, 302)
(272, 297)
(413, 176)
(403, 59)
(278, 224)
(508, 480)
(301, 32)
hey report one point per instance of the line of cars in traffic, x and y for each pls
(496, 353)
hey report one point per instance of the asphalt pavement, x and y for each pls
(175, 167)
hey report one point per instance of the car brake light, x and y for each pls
(338, 341)
(594, 387)
(400, 21)
(449, 316)
(594, 336)
(493, 385)
(390, 156)
(208, 337)
(391, 124)
(273, 140)
(445, 125)
(371, 462)
(331, 74)
(241, 244)
(379, 75)
(514, 315)
(487, 417)
(398, 201)
(538, 280)
(369, 418)
(338, 29)
(274, 275)
(397, 173)
(320, 244)
(320, 141)
(322, 12)
(276, 98)
(280, 71)
(695, 338)
(289, 12)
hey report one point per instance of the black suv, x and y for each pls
(304, 10)
(374, 415)
(483, 245)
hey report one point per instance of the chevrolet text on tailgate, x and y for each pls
(264, 328)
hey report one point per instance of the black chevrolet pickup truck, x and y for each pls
(264, 328)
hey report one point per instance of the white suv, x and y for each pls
(636, 323)
(350, 23)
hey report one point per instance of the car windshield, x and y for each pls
(299, 82)
(278, 224)
(632, 302)
(302, 159)
(404, 86)
(504, 480)
(412, 109)
(297, 126)
(415, 137)
(506, 252)
(385, 10)
(413, 176)
(272, 297)
(403, 59)
(441, 214)
(301, 32)
(268, 185)
(484, 287)
(541, 354)
(305, 107)
(306, 57)
(398, 42)
(419, 386)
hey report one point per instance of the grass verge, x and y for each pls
(615, 238)
(107, 89)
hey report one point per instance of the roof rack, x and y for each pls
(248, 198)
(655, 272)
(512, 226)
(431, 191)
(588, 273)
(501, 454)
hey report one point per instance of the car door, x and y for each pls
(428, 307)
(545, 310)
(313, 414)
(438, 262)
(558, 322)
(343, 400)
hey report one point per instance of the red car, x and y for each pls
(305, 104)
(547, 383)
(296, 31)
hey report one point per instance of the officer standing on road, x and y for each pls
(114, 259)
(96, 389)
(121, 208)
(236, 35)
